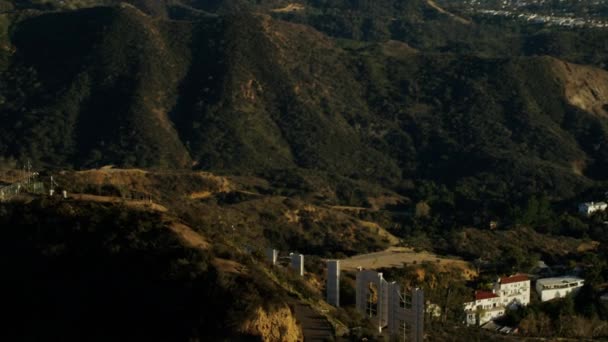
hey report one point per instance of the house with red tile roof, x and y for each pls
(508, 292)
(513, 290)
(484, 308)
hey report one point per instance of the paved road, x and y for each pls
(314, 326)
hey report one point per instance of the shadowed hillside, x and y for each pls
(246, 94)
(90, 271)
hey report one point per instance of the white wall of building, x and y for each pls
(482, 310)
(560, 287)
(508, 292)
(487, 315)
(485, 304)
(514, 293)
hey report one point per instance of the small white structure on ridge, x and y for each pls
(589, 208)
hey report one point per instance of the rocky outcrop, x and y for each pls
(275, 325)
(585, 87)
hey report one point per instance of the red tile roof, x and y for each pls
(514, 279)
(479, 295)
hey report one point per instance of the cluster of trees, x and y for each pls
(582, 315)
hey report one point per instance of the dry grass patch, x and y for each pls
(398, 256)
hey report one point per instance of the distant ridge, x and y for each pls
(249, 93)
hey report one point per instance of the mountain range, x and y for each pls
(321, 87)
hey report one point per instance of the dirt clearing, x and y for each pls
(398, 256)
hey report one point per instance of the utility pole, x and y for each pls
(29, 172)
(53, 184)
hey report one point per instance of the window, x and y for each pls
(405, 329)
(405, 300)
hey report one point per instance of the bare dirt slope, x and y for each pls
(134, 204)
(289, 8)
(395, 48)
(136, 182)
(188, 235)
(398, 256)
(273, 326)
(585, 87)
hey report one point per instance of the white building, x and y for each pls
(513, 290)
(484, 308)
(508, 292)
(589, 208)
(559, 287)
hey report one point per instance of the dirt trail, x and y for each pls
(459, 19)
(134, 204)
(314, 326)
(195, 240)
(376, 228)
(188, 235)
(289, 8)
(349, 208)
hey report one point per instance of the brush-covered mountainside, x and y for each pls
(96, 272)
(190, 135)
(247, 93)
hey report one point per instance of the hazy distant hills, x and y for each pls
(246, 93)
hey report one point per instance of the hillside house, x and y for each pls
(557, 287)
(589, 208)
(508, 292)
(484, 308)
(513, 290)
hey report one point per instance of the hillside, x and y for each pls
(246, 94)
(247, 210)
(191, 135)
(138, 251)
(91, 271)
